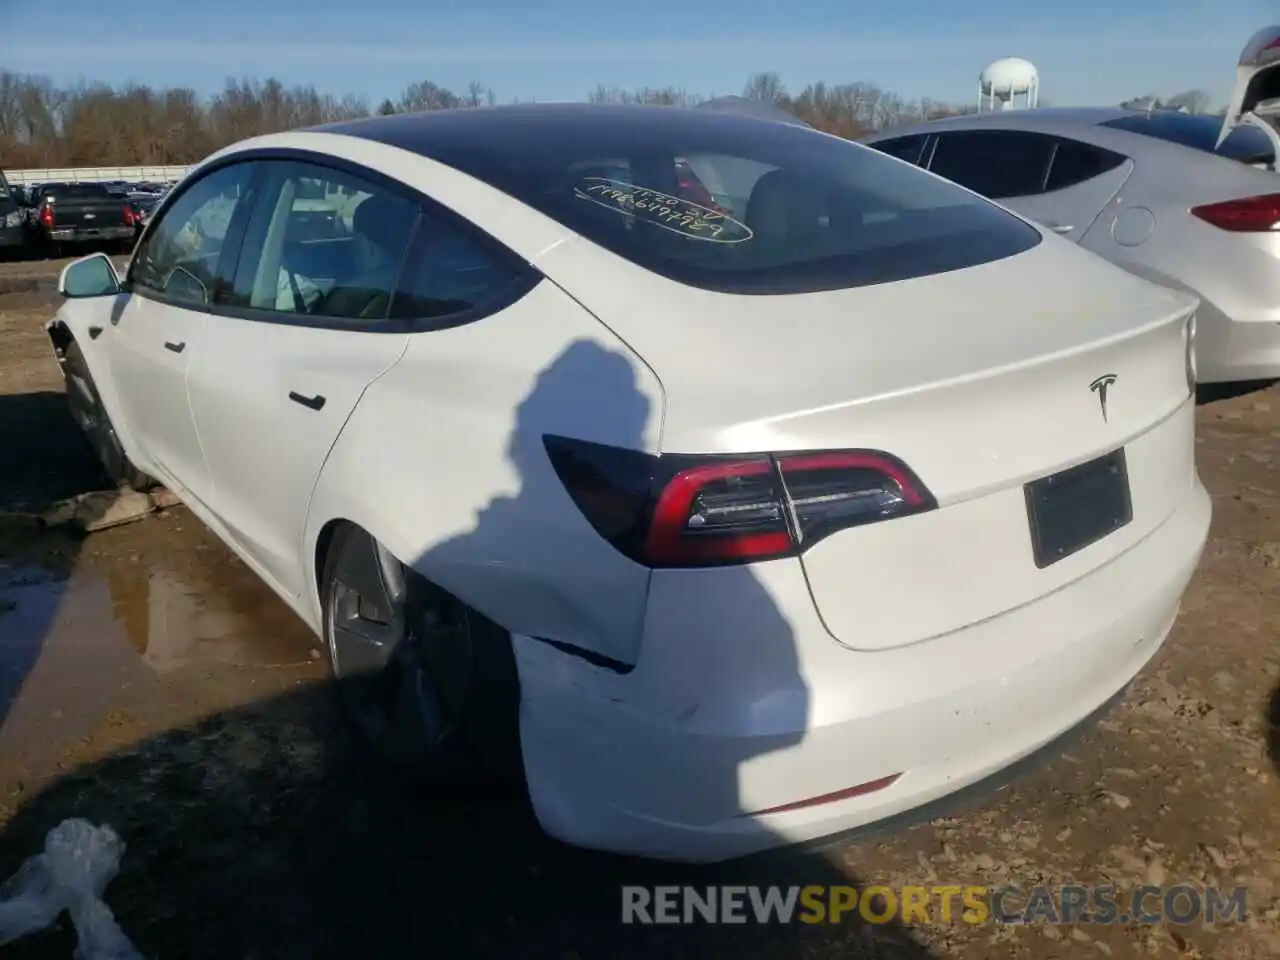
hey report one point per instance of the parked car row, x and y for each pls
(51, 219)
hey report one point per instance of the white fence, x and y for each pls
(94, 174)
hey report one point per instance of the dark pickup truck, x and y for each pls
(76, 213)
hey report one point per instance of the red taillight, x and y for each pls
(46, 217)
(694, 511)
(1247, 215)
(719, 513)
(129, 218)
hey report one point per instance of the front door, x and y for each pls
(284, 360)
(156, 328)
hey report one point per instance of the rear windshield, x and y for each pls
(1245, 143)
(77, 191)
(4, 185)
(744, 206)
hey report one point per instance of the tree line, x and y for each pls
(94, 124)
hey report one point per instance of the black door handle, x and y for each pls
(175, 347)
(313, 403)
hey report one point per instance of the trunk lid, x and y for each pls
(1256, 97)
(980, 380)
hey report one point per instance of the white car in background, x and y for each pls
(734, 527)
(1191, 202)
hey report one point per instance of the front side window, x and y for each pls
(179, 257)
(740, 206)
(994, 163)
(323, 243)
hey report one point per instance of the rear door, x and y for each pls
(288, 352)
(157, 329)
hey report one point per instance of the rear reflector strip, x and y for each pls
(871, 786)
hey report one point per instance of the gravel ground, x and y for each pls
(148, 681)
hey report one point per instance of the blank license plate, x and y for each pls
(1079, 506)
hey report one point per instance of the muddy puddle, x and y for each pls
(115, 625)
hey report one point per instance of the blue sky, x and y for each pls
(1086, 51)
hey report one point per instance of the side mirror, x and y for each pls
(91, 276)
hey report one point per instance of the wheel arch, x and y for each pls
(318, 543)
(78, 322)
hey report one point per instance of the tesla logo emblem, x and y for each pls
(1099, 387)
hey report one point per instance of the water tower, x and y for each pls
(1004, 81)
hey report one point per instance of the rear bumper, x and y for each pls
(1243, 348)
(90, 235)
(742, 702)
(11, 237)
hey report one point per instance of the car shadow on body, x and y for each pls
(265, 831)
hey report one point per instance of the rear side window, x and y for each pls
(1245, 143)
(1075, 162)
(179, 258)
(450, 274)
(909, 149)
(741, 206)
(994, 163)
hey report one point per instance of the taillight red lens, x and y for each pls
(46, 217)
(719, 513)
(1247, 215)
(694, 511)
(129, 218)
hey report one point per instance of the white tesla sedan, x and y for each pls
(753, 484)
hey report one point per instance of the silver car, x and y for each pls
(1189, 201)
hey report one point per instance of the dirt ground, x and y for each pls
(148, 681)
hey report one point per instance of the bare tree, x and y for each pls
(765, 87)
(93, 124)
(1193, 101)
(426, 95)
(478, 95)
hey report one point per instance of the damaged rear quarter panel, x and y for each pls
(443, 462)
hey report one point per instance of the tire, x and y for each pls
(431, 689)
(91, 417)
